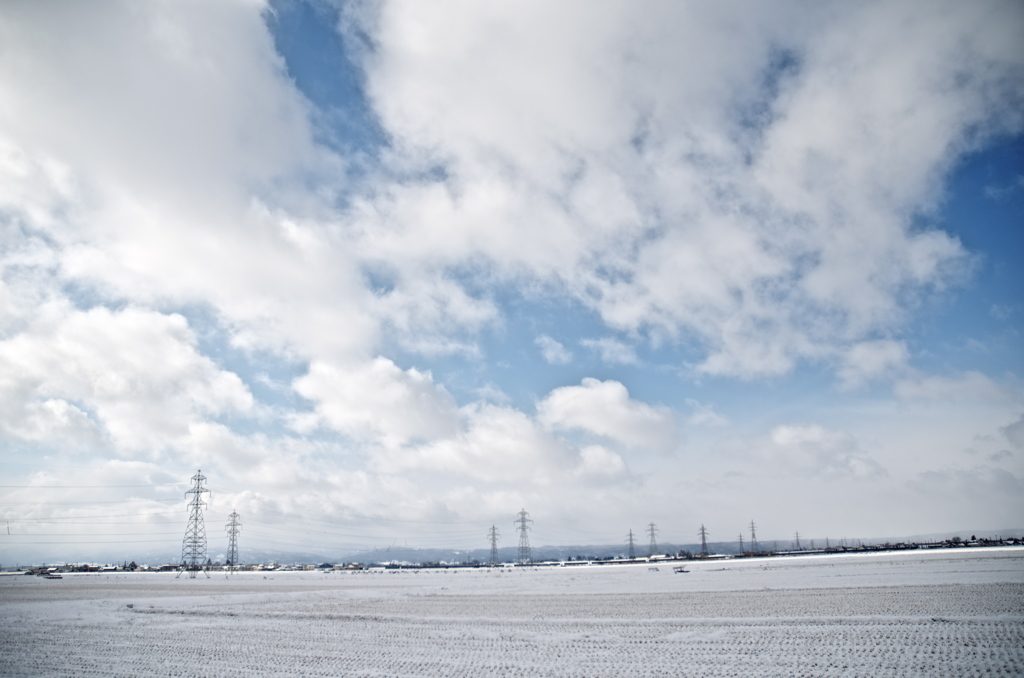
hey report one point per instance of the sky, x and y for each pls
(390, 272)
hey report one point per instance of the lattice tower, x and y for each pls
(703, 541)
(233, 526)
(653, 531)
(493, 535)
(524, 538)
(193, 546)
(632, 547)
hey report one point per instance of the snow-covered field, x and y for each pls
(934, 613)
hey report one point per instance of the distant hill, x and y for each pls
(401, 554)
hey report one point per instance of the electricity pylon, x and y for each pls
(741, 543)
(632, 550)
(493, 535)
(233, 527)
(652, 530)
(798, 541)
(753, 538)
(193, 546)
(703, 541)
(524, 538)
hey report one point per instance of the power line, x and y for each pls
(375, 534)
(94, 534)
(89, 503)
(59, 543)
(78, 487)
(73, 519)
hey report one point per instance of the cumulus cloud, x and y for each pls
(970, 385)
(981, 483)
(612, 351)
(870, 360)
(553, 351)
(744, 201)
(1015, 433)
(496, 444)
(704, 415)
(600, 462)
(134, 376)
(176, 175)
(604, 409)
(817, 451)
(377, 401)
(755, 186)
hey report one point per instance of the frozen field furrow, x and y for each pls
(593, 622)
(158, 644)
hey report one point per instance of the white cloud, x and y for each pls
(604, 408)
(612, 351)
(553, 351)
(776, 237)
(377, 401)
(704, 415)
(755, 183)
(818, 451)
(600, 462)
(495, 445)
(171, 177)
(133, 375)
(999, 490)
(1015, 433)
(871, 360)
(766, 221)
(969, 386)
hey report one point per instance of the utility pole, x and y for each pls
(492, 534)
(703, 541)
(524, 538)
(753, 538)
(233, 526)
(193, 546)
(632, 550)
(653, 531)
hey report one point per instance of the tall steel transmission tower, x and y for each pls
(798, 541)
(233, 527)
(703, 540)
(632, 549)
(742, 550)
(753, 538)
(524, 538)
(493, 535)
(653, 531)
(193, 546)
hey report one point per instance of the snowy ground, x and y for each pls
(935, 613)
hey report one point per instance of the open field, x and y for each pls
(935, 613)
